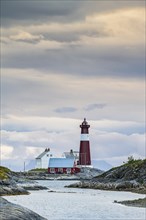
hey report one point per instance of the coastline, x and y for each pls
(11, 211)
(20, 183)
(25, 213)
(141, 203)
(133, 188)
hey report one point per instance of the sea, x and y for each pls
(61, 203)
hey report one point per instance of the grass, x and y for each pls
(4, 173)
(134, 163)
(131, 164)
(39, 170)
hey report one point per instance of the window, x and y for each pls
(68, 170)
(60, 170)
(52, 170)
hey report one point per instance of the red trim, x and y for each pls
(64, 170)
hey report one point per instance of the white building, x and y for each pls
(72, 154)
(43, 159)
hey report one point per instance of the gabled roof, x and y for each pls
(61, 162)
(41, 155)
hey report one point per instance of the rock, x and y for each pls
(136, 203)
(12, 190)
(34, 187)
(88, 173)
(11, 211)
(124, 185)
(16, 184)
(128, 177)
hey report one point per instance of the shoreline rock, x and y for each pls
(127, 177)
(11, 188)
(130, 177)
(8, 188)
(141, 203)
(11, 211)
(121, 186)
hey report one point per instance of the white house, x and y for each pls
(43, 159)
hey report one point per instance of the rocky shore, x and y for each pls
(11, 187)
(135, 203)
(9, 211)
(131, 176)
(12, 184)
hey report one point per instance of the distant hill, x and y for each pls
(101, 165)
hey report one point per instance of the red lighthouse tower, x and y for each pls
(84, 154)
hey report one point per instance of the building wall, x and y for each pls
(38, 164)
(64, 170)
(44, 161)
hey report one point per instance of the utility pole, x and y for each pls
(24, 166)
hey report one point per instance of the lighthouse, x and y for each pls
(84, 153)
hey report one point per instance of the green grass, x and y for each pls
(39, 170)
(131, 164)
(4, 173)
(135, 163)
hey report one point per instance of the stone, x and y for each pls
(11, 211)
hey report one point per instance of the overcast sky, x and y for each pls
(63, 61)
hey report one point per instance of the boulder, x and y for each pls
(11, 211)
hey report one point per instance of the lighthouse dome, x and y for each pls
(84, 122)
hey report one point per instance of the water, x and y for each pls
(79, 204)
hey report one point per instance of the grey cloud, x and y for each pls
(65, 110)
(28, 41)
(100, 60)
(74, 33)
(106, 61)
(95, 106)
(16, 12)
(26, 37)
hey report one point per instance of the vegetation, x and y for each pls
(132, 169)
(39, 170)
(135, 163)
(4, 173)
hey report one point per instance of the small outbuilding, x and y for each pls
(62, 165)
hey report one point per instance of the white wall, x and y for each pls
(38, 164)
(44, 161)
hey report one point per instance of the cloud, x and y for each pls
(52, 91)
(6, 152)
(103, 144)
(65, 109)
(108, 139)
(26, 11)
(102, 44)
(95, 106)
(123, 127)
(26, 37)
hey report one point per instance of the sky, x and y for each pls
(63, 61)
